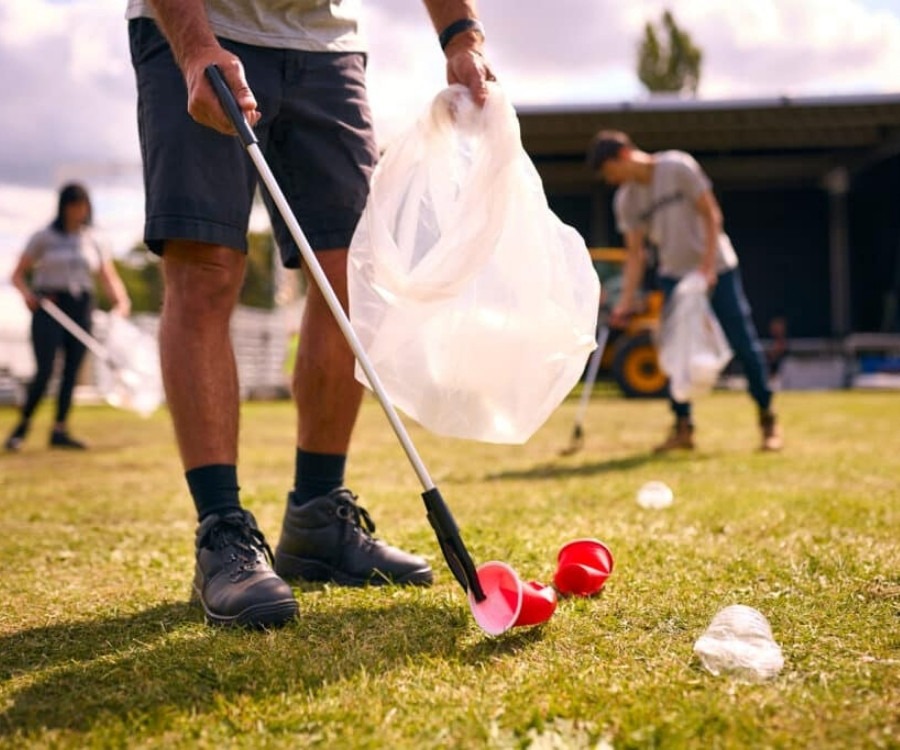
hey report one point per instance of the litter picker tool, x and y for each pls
(439, 516)
(136, 385)
(576, 441)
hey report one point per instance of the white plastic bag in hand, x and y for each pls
(693, 349)
(131, 378)
(476, 305)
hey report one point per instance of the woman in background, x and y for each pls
(60, 263)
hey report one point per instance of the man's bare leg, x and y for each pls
(326, 535)
(202, 285)
(325, 391)
(233, 580)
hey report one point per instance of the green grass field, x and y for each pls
(98, 647)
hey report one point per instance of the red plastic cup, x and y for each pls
(582, 567)
(510, 602)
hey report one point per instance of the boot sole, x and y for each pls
(263, 615)
(660, 450)
(299, 568)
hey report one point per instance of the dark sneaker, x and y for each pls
(681, 437)
(17, 436)
(329, 538)
(772, 440)
(62, 439)
(234, 580)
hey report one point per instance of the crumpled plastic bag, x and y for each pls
(693, 349)
(739, 642)
(475, 304)
(130, 377)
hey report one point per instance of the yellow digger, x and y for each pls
(630, 353)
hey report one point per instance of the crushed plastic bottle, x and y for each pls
(739, 642)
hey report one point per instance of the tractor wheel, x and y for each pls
(636, 368)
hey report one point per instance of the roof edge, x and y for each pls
(676, 103)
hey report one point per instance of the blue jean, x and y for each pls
(730, 305)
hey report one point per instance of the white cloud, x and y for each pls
(67, 87)
(769, 48)
(69, 100)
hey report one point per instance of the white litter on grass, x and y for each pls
(739, 642)
(655, 495)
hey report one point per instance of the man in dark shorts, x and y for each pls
(297, 72)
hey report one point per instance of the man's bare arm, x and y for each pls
(711, 216)
(632, 274)
(185, 25)
(465, 60)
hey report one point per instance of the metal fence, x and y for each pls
(261, 341)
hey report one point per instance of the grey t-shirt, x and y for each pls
(311, 25)
(65, 262)
(665, 209)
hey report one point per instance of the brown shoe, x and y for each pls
(681, 437)
(771, 432)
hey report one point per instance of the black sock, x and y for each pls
(317, 474)
(214, 489)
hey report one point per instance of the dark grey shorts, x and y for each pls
(315, 132)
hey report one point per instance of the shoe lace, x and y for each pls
(348, 510)
(245, 541)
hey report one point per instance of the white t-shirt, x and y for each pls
(310, 25)
(65, 261)
(665, 209)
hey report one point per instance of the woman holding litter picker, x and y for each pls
(60, 263)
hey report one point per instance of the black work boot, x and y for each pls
(62, 439)
(16, 437)
(329, 538)
(234, 580)
(772, 440)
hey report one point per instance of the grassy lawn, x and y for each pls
(98, 647)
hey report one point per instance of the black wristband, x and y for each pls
(458, 27)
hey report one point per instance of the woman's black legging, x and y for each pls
(48, 337)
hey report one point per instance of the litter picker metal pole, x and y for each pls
(53, 310)
(577, 438)
(439, 516)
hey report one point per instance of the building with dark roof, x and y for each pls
(809, 188)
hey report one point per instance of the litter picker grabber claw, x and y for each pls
(439, 516)
(577, 439)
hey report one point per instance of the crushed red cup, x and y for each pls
(510, 602)
(583, 566)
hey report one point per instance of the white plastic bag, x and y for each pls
(130, 377)
(693, 349)
(476, 305)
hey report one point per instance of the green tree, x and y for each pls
(668, 60)
(259, 280)
(141, 274)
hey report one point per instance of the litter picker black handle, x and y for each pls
(230, 105)
(451, 543)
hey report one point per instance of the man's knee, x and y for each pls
(201, 277)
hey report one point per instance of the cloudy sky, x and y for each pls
(68, 97)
